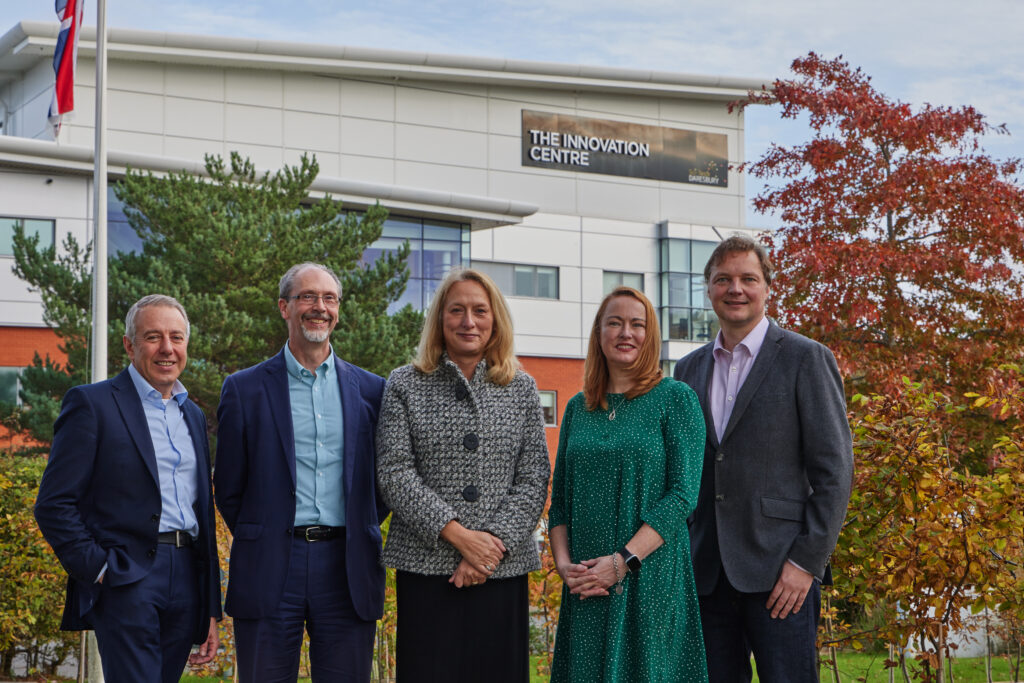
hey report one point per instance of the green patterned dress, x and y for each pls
(610, 477)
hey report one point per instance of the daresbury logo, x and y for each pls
(575, 143)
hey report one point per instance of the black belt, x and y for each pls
(179, 539)
(317, 532)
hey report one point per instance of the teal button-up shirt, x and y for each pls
(318, 426)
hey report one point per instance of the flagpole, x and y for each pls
(99, 182)
(99, 245)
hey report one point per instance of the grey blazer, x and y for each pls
(778, 484)
(449, 448)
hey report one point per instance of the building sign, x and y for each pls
(574, 143)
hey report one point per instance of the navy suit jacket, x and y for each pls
(777, 485)
(254, 484)
(99, 498)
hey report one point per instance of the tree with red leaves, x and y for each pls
(902, 242)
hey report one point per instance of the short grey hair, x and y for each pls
(153, 300)
(284, 287)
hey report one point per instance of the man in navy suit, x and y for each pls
(295, 483)
(778, 464)
(125, 502)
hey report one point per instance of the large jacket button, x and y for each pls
(471, 441)
(471, 494)
(461, 392)
(151, 552)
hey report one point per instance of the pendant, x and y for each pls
(611, 415)
(618, 589)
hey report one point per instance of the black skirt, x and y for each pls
(462, 635)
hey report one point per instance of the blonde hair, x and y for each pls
(501, 358)
(645, 370)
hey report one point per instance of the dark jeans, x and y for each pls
(736, 624)
(316, 598)
(147, 626)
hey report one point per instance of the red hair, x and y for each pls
(645, 370)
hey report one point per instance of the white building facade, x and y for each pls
(559, 180)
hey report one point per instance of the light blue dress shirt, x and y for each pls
(318, 426)
(175, 454)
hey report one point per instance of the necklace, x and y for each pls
(611, 415)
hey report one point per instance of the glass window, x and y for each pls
(413, 294)
(613, 279)
(701, 252)
(121, 236)
(439, 257)
(44, 228)
(705, 324)
(404, 228)
(442, 230)
(501, 273)
(675, 255)
(10, 383)
(548, 404)
(675, 289)
(547, 282)
(522, 279)
(525, 281)
(434, 248)
(675, 323)
(686, 313)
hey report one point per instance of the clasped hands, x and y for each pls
(591, 578)
(481, 552)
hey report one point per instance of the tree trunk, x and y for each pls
(829, 631)
(940, 650)
(903, 665)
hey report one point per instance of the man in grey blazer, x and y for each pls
(778, 465)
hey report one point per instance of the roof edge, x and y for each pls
(479, 211)
(407, 64)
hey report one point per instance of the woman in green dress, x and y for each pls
(626, 478)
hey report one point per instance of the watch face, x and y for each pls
(632, 561)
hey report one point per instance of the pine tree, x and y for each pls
(219, 244)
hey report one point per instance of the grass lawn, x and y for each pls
(853, 667)
(871, 669)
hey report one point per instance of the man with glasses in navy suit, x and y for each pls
(295, 483)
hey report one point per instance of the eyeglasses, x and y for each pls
(309, 298)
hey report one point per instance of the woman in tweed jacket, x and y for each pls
(462, 461)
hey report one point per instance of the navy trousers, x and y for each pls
(144, 630)
(316, 599)
(737, 624)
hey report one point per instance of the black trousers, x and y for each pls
(736, 624)
(462, 635)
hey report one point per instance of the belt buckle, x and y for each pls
(178, 534)
(309, 529)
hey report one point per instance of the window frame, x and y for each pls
(554, 406)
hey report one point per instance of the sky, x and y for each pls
(941, 52)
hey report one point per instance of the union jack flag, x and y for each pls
(65, 56)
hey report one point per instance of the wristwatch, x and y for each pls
(632, 561)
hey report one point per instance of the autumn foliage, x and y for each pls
(901, 239)
(927, 542)
(901, 247)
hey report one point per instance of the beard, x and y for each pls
(316, 336)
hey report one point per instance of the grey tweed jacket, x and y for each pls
(451, 448)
